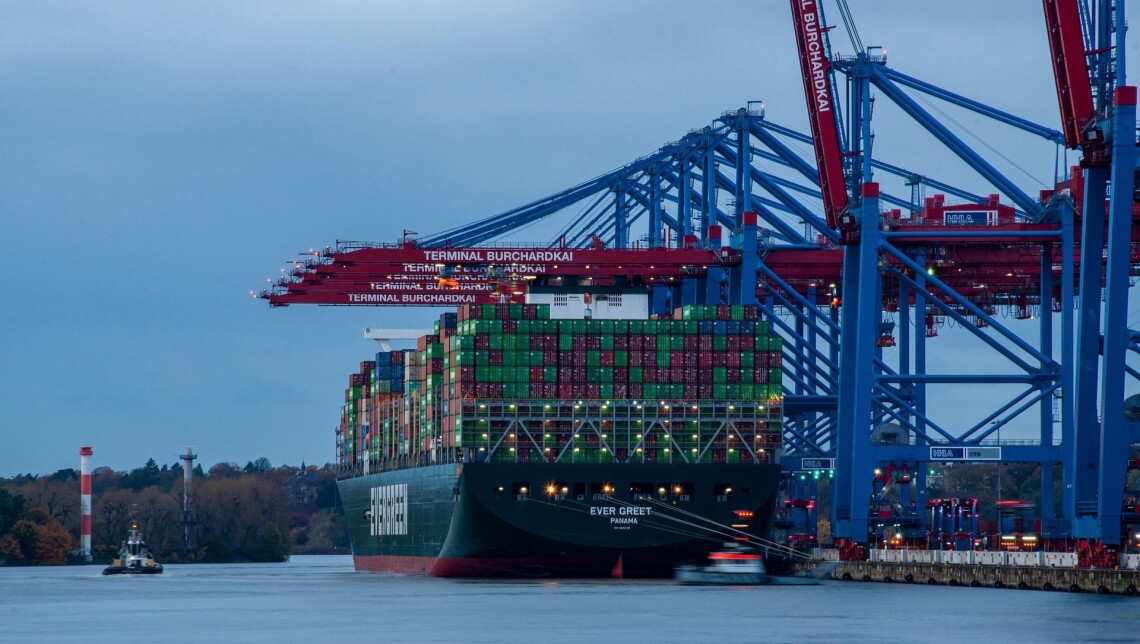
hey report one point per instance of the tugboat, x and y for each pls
(134, 557)
(733, 565)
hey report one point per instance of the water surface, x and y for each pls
(321, 599)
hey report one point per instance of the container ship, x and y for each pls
(510, 443)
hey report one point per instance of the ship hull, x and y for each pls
(553, 519)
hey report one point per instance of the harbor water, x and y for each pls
(321, 599)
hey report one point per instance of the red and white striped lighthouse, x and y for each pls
(85, 453)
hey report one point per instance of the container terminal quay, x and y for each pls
(738, 329)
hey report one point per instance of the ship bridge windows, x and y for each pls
(723, 492)
(682, 492)
(520, 490)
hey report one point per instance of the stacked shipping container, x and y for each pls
(491, 354)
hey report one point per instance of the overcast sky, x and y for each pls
(161, 160)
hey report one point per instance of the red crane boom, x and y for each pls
(1071, 71)
(816, 70)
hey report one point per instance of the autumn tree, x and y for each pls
(53, 544)
(11, 507)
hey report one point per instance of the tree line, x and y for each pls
(254, 513)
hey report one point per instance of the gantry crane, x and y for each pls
(866, 381)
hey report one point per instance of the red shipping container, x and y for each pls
(775, 359)
(607, 358)
(635, 390)
(510, 326)
(676, 374)
(536, 389)
(704, 343)
(495, 357)
(677, 359)
(650, 342)
(482, 341)
(692, 342)
(636, 359)
(593, 391)
(761, 375)
(734, 343)
(592, 342)
(621, 342)
(636, 342)
(621, 375)
(565, 390)
(550, 390)
(733, 359)
(691, 391)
